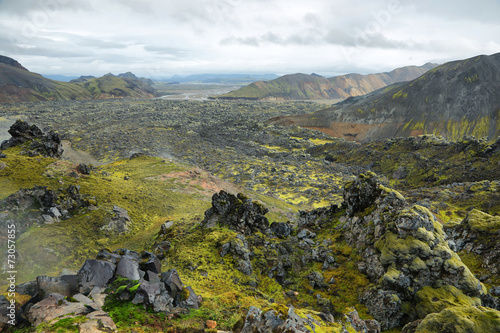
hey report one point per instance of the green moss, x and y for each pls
(483, 222)
(64, 325)
(387, 190)
(394, 249)
(463, 319)
(431, 300)
(400, 94)
(417, 265)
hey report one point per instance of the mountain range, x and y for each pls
(18, 84)
(453, 100)
(315, 87)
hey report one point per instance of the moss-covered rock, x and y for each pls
(431, 300)
(410, 245)
(465, 319)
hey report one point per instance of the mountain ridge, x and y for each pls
(315, 87)
(18, 84)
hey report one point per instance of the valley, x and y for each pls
(172, 165)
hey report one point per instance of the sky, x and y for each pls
(154, 38)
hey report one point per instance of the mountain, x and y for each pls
(64, 78)
(17, 84)
(315, 87)
(222, 78)
(453, 100)
(287, 87)
(121, 86)
(357, 84)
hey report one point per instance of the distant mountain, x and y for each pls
(82, 78)
(453, 100)
(222, 78)
(17, 84)
(357, 84)
(315, 87)
(64, 78)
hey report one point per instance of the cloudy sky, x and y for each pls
(155, 38)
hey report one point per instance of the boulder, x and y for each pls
(384, 306)
(281, 229)
(237, 213)
(128, 268)
(120, 223)
(173, 284)
(361, 193)
(238, 247)
(52, 307)
(149, 262)
(94, 273)
(65, 285)
(192, 301)
(475, 319)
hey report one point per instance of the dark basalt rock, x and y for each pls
(84, 169)
(237, 213)
(128, 268)
(360, 194)
(281, 229)
(120, 222)
(95, 273)
(173, 283)
(149, 262)
(271, 321)
(48, 144)
(238, 247)
(65, 285)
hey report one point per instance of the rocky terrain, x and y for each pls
(17, 84)
(374, 262)
(452, 100)
(315, 87)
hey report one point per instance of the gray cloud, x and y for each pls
(189, 36)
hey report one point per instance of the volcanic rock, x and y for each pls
(48, 144)
(237, 213)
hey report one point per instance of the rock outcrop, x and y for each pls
(237, 213)
(40, 205)
(257, 320)
(37, 143)
(404, 253)
(478, 234)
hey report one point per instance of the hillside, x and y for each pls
(456, 99)
(17, 84)
(121, 86)
(315, 87)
